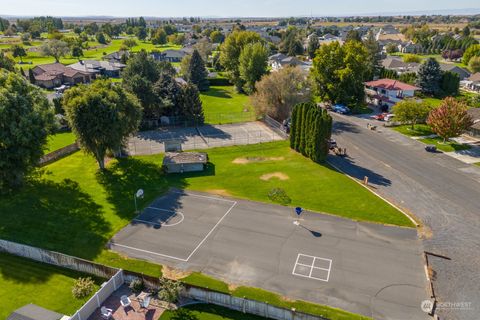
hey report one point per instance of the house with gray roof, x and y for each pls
(99, 68)
(461, 72)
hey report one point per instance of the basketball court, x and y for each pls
(364, 268)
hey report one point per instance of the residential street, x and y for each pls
(442, 192)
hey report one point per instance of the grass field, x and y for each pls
(59, 140)
(23, 281)
(202, 280)
(418, 131)
(221, 104)
(448, 146)
(212, 312)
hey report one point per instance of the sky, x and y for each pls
(225, 8)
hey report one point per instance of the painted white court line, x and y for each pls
(311, 267)
(198, 246)
(163, 224)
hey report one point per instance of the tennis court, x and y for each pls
(365, 268)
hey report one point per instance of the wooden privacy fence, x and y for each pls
(60, 153)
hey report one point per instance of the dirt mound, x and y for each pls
(256, 159)
(277, 175)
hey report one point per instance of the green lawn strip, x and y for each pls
(201, 280)
(448, 146)
(59, 140)
(212, 312)
(419, 130)
(221, 104)
(434, 102)
(301, 306)
(23, 281)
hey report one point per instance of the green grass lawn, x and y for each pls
(222, 104)
(448, 146)
(418, 131)
(202, 280)
(59, 140)
(23, 281)
(212, 312)
(80, 209)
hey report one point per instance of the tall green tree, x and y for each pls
(230, 53)
(160, 36)
(168, 96)
(102, 116)
(19, 51)
(411, 111)
(26, 118)
(450, 119)
(472, 51)
(313, 45)
(55, 48)
(77, 52)
(191, 103)
(340, 71)
(6, 63)
(450, 83)
(374, 55)
(429, 76)
(291, 43)
(253, 65)
(474, 64)
(353, 35)
(196, 71)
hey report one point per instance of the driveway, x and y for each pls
(442, 192)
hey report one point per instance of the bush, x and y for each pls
(83, 287)
(280, 196)
(169, 290)
(137, 285)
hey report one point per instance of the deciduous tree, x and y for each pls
(313, 45)
(450, 119)
(474, 64)
(26, 118)
(411, 111)
(278, 92)
(102, 116)
(19, 51)
(55, 48)
(253, 65)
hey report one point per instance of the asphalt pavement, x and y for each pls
(365, 268)
(441, 191)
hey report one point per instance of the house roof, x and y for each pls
(475, 77)
(390, 84)
(393, 63)
(34, 312)
(95, 66)
(455, 69)
(52, 71)
(184, 158)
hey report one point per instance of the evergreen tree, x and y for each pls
(429, 76)
(373, 49)
(192, 108)
(313, 45)
(196, 72)
(450, 83)
(168, 96)
(31, 76)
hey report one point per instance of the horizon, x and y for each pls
(220, 9)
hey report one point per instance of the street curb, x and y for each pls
(378, 195)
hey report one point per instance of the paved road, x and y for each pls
(365, 268)
(441, 191)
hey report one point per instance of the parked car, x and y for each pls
(340, 108)
(383, 116)
(431, 148)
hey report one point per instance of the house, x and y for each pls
(279, 61)
(99, 68)
(472, 83)
(171, 55)
(117, 56)
(461, 72)
(34, 312)
(474, 130)
(410, 47)
(387, 92)
(397, 64)
(180, 162)
(56, 74)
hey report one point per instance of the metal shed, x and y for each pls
(179, 162)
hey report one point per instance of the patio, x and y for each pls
(132, 312)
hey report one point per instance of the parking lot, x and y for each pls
(365, 268)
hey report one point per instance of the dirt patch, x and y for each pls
(174, 274)
(219, 192)
(277, 175)
(256, 159)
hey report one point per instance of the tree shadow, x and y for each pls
(54, 216)
(341, 126)
(348, 165)
(217, 93)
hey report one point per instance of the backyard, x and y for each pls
(212, 312)
(222, 104)
(24, 281)
(59, 140)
